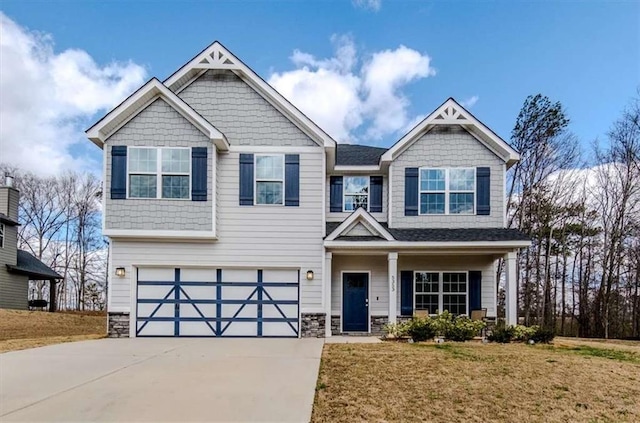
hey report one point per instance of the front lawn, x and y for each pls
(21, 329)
(474, 382)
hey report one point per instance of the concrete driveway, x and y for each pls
(247, 380)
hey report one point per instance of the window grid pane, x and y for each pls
(432, 179)
(427, 302)
(175, 186)
(175, 160)
(461, 179)
(269, 167)
(143, 160)
(460, 203)
(143, 186)
(455, 303)
(268, 192)
(432, 203)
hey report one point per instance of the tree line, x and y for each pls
(60, 224)
(581, 208)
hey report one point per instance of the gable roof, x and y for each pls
(360, 216)
(358, 155)
(452, 113)
(137, 101)
(30, 266)
(217, 56)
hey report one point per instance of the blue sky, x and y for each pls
(585, 54)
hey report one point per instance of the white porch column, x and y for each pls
(393, 286)
(327, 293)
(511, 288)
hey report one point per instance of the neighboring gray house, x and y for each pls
(230, 213)
(17, 267)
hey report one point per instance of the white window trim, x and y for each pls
(345, 193)
(3, 233)
(440, 292)
(255, 179)
(447, 191)
(158, 173)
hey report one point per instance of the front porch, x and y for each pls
(368, 288)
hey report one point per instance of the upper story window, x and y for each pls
(269, 179)
(159, 172)
(356, 193)
(447, 191)
(1, 235)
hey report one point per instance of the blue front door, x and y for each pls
(355, 302)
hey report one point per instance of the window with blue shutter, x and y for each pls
(406, 292)
(292, 180)
(375, 183)
(411, 191)
(199, 174)
(118, 172)
(335, 194)
(475, 290)
(483, 191)
(246, 179)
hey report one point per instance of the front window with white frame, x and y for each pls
(439, 291)
(447, 191)
(356, 193)
(269, 171)
(159, 172)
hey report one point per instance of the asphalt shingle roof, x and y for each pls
(358, 155)
(442, 234)
(32, 267)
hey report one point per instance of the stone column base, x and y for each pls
(118, 326)
(313, 325)
(377, 325)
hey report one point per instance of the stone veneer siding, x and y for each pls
(118, 325)
(313, 325)
(377, 325)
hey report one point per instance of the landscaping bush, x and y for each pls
(524, 333)
(421, 329)
(464, 329)
(502, 334)
(543, 335)
(443, 323)
(396, 330)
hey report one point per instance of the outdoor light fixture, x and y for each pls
(120, 272)
(309, 275)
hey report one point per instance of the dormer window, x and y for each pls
(447, 191)
(356, 193)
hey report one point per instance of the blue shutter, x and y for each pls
(335, 194)
(411, 191)
(246, 179)
(118, 172)
(483, 190)
(199, 174)
(406, 292)
(475, 290)
(375, 186)
(292, 180)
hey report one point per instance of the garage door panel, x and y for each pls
(192, 302)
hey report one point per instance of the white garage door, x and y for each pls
(217, 302)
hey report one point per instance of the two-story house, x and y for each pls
(231, 213)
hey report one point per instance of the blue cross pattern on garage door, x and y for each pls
(217, 302)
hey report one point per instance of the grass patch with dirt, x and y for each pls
(475, 382)
(20, 329)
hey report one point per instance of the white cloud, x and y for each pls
(351, 97)
(373, 5)
(470, 102)
(48, 98)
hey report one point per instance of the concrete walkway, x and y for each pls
(246, 380)
(353, 340)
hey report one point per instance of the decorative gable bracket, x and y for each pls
(360, 217)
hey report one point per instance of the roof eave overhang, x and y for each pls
(134, 104)
(32, 275)
(478, 246)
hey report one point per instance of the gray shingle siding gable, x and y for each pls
(450, 146)
(240, 113)
(159, 125)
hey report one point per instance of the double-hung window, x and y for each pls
(447, 191)
(159, 172)
(356, 193)
(439, 291)
(269, 179)
(2, 235)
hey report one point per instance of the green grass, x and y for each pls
(611, 354)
